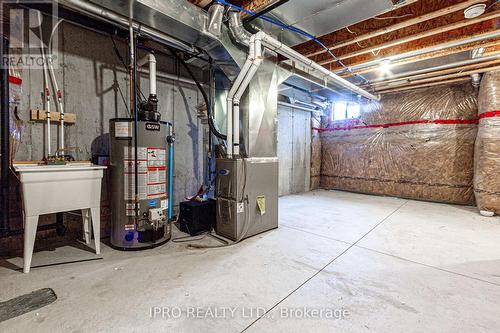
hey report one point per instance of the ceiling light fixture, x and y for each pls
(475, 11)
(385, 66)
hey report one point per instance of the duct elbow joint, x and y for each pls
(237, 30)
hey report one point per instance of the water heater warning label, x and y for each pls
(157, 190)
(157, 157)
(151, 173)
(129, 182)
(123, 129)
(157, 173)
(129, 168)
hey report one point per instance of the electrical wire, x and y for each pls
(297, 31)
(116, 84)
(392, 17)
(355, 34)
(186, 239)
(122, 60)
(493, 4)
(211, 123)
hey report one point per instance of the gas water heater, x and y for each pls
(140, 215)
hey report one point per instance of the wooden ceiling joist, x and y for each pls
(465, 36)
(426, 85)
(492, 48)
(421, 35)
(442, 77)
(381, 84)
(425, 10)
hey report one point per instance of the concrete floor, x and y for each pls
(361, 263)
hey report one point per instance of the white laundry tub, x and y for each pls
(58, 188)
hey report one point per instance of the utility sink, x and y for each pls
(58, 188)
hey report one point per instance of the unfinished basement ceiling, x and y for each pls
(320, 17)
(360, 32)
(419, 35)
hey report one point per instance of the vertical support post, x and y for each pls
(133, 103)
(5, 134)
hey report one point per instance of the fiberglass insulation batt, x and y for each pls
(487, 156)
(417, 144)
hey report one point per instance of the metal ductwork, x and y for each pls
(100, 13)
(183, 25)
(236, 29)
(215, 16)
(257, 44)
(176, 23)
(243, 37)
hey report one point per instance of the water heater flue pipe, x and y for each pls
(151, 60)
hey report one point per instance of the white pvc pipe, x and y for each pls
(58, 95)
(57, 92)
(152, 74)
(46, 91)
(230, 97)
(151, 59)
(286, 51)
(256, 59)
(252, 63)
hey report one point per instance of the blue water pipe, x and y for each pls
(170, 141)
